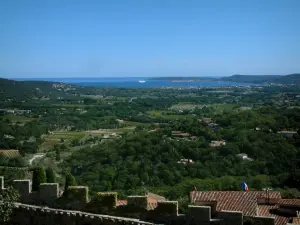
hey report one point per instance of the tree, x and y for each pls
(50, 175)
(75, 142)
(7, 197)
(57, 155)
(70, 181)
(38, 177)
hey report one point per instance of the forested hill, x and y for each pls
(287, 79)
(22, 90)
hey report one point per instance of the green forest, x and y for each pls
(162, 140)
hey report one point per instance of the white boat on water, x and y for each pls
(142, 81)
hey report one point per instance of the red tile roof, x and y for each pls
(233, 200)
(152, 200)
(152, 204)
(264, 210)
(296, 220)
(246, 202)
(294, 202)
(121, 202)
(156, 197)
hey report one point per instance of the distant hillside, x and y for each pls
(251, 78)
(182, 79)
(20, 90)
(289, 79)
(259, 79)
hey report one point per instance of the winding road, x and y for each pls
(36, 156)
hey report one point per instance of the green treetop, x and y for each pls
(70, 181)
(38, 177)
(50, 175)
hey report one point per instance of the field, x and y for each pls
(135, 124)
(18, 119)
(66, 137)
(185, 106)
(221, 108)
(57, 137)
(162, 114)
(9, 153)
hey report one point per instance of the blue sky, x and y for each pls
(99, 38)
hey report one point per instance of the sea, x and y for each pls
(138, 82)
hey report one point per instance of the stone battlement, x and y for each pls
(46, 206)
(29, 214)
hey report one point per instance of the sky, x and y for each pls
(115, 38)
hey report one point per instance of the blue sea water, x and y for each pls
(133, 82)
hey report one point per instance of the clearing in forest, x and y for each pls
(186, 106)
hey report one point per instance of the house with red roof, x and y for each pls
(251, 203)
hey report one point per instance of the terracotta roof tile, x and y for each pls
(152, 204)
(294, 202)
(233, 200)
(121, 202)
(264, 210)
(296, 220)
(155, 196)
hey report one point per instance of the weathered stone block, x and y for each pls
(198, 215)
(167, 208)
(48, 193)
(23, 187)
(265, 220)
(79, 193)
(76, 198)
(1, 183)
(138, 201)
(103, 202)
(230, 217)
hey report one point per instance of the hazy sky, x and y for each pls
(99, 38)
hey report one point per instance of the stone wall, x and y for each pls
(138, 201)
(48, 193)
(62, 209)
(103, 202)
(36, 215)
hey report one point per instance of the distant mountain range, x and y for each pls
(29, 89)
(259, 79)
(255, 79)
(45, 89)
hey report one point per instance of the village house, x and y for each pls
(180, 134)
(287, 133)
(120, 121)
(244, 156)
(217, 143)
(251, 203)
(206, 120)
(186, 161)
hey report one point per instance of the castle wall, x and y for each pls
(198, 215)
(48, 193)
(138, 201)
(1, 183)
(230, 217)
(77, 198)
(36, 215)
(265, 220)
(24, 189)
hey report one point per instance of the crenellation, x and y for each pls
(1, 183)
(138, 201)
(198, 215)
(230, 217)
(24, 189)
(167, 208)
(48, 193)
(165, 212)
